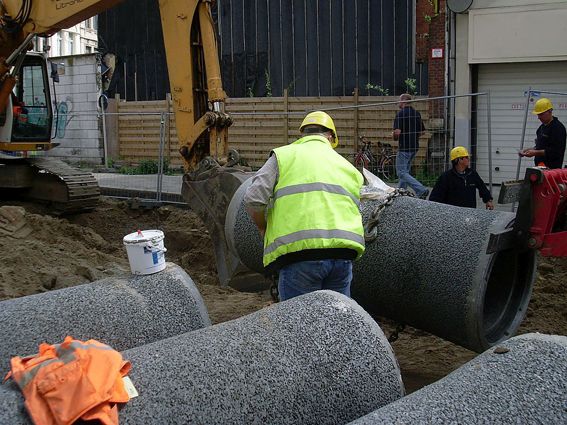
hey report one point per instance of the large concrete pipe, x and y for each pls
(120, 312)
(316, 359)
(427, 268)
(523, 380)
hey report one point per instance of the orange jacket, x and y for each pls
(70, 381)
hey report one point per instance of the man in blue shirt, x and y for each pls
(408, 126)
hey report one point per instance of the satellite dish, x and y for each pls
(459, 6)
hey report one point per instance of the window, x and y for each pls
(71, 37)
(88, 24)
(59, 44)
(89, 49)
(32, 118)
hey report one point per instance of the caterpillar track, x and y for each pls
(64, 188)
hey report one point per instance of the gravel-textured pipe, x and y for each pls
(522, 381)
(120, 312)
(427, 268)
(316, 359)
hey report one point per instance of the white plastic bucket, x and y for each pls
(145, 251)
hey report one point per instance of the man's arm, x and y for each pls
(484, 192)
(532, 152)
(258, 216)
(260, 191)
(396, 134)
(422, 131)
(439, 192)
(396, 128)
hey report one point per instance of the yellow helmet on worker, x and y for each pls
(458, 152)
(324, 120)
(542, 105)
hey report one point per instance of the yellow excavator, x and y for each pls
(213, 172)
(27, 112)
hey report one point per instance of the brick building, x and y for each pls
(431, 43)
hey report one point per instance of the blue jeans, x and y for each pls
(307, 276)
(403, 167)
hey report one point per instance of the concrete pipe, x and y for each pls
(520, 381)
(120, 312)
(316, 359)
(427, 268)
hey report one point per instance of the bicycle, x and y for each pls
(382, 164)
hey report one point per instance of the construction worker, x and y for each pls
(549, 146)
(408, 127)
(458, 186)
(304, 201)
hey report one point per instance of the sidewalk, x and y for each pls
(145, 187)
(140, 186)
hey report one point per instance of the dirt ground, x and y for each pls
(42, 253)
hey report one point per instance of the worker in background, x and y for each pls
(458, 186)
(549, 146)
(408, 127)
(305, 201)
(19, 111)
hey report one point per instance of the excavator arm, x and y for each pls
(192, 59)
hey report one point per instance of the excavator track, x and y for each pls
(66, 189)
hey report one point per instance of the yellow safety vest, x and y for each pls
(315, 203)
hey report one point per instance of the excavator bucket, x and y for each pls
(209, 193)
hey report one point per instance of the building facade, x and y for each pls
(78, 40)
(506, 48)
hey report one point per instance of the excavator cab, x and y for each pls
(30, 108)
(26, 123)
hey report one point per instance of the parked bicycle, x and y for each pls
(382, 163)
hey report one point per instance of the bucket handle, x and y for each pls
(156, 249)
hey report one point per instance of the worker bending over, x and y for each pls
(458, 186)
(305, 201)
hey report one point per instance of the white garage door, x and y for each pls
(507, 84)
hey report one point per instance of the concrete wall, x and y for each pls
(495, 41)
(78, 127)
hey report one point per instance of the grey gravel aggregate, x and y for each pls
(525, 385)
(315, 359)
(121, 312)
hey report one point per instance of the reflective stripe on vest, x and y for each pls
(313, 234)
(311, 187)
(70, 381)
(65, 355)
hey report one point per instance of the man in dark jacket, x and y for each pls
(458, 186)
(549, 146)
(408, 127)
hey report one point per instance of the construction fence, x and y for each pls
(140, 138)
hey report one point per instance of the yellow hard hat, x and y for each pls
(324, 120)
(542, 105)
(458, 152)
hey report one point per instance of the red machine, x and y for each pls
(541, 219)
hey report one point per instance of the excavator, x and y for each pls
(27, 111)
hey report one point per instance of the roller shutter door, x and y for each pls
(507, 84)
